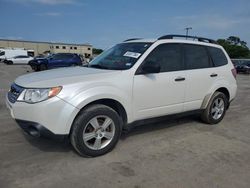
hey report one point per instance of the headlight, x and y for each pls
(38, 95)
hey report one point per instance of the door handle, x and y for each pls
(179, 79)
(213, 75)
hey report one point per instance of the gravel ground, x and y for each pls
(175, 153)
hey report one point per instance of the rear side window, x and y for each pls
(218, 57)
(62, 56)
(196, 57)
(168, 56)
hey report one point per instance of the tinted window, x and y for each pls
(217, 56)
(64, 47)
(196, 57)
(168, 56)
(62, 56)
(57, 47)
(69, 56)
(24, 56)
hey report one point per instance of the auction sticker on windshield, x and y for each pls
(132, 54)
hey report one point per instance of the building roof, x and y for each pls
(54, 43)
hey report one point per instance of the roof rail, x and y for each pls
(131, 39)
(200, 39)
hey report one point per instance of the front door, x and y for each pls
(160, 93)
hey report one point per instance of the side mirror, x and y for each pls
(150, 67)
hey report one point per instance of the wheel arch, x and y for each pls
(207, 98)
(225, 91)
(112, 103)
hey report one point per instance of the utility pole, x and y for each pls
(187, 29)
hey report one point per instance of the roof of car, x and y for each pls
(179, 39)
(173, 41)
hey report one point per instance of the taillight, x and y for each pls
(234, 72)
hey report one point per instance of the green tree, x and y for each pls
(235, 47)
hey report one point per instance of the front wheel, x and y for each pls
(43, 67)
(96, 130)
(216, 108)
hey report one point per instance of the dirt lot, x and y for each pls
(176, 153)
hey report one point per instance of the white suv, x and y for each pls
(135, 80)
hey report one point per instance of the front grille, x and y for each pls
(14, 92)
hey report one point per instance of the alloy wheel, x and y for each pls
(99, 132)
(218, 108)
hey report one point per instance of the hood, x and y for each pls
(61, 76)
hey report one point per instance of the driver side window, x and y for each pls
(168, 56)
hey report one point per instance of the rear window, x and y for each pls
(218, 57)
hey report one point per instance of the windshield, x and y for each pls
(121, 57)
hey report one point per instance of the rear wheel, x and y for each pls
(95, 131)
(216, 108)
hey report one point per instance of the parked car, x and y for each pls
(133, 81)
(239, 61)
(20, 59)
(7, 53)
(243, 67)
(55, 61)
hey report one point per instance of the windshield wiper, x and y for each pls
(98, 66)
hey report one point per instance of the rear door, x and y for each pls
(57, 60)
(200, 77)
(18, 59)
(160, 93)
(70, 60)
(24, 59)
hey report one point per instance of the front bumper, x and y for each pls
(52, 117)
(37, 130)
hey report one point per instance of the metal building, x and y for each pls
(38, 48)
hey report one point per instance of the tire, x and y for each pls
(216, 108)
(43, 67)
(9, 62)
(35, 68)
(100, 138)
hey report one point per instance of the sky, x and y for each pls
(107, 22)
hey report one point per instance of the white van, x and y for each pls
(7, 53)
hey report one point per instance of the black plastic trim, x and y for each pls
(200, 39)
(37, 130)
